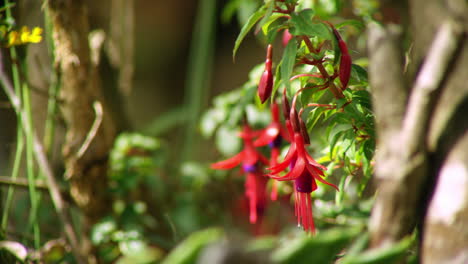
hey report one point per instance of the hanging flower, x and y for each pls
(304, 172)
(272, 136)
(252, 161)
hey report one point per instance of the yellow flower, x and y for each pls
(14, 38)
(36, 35)
(24, 36)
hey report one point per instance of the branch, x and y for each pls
(23, 183)
(406, 168)
(386, 78)
(44, 165)
(94, 129)
(429, 79)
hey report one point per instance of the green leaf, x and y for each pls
(277, 83)
(358, 75)
(210, 121)
(287, 62)
(101, 231)
(303, 25)
(319, 249)
(188, 251)
(227, 141)
(337, 51)
(359, 25)
(314, 116)
(270, 6)
(336, 133)
(247, 27)
(389, 254)
(272, 21)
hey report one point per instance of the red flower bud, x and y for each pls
(345, 62)
(285, 106)
(304, 133)
(345, 70)
(266, 81)
(286, 37)
(294, 120)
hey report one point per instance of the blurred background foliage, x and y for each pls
(167, 205)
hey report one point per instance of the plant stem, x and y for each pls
(53, 89)
(201, 53)
(34, 198)
(14, 174)
(44, 165)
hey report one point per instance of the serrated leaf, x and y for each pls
(288, 61)
(247, 27)
(302, 24)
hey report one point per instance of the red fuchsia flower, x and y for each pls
(265, 85)
(272, 136)
(252, 162)
(304, 172)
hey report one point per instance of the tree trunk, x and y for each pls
(85, 151)
(422, 144)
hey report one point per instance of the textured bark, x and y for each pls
(445, 230)
(427, 148)
(80, 88)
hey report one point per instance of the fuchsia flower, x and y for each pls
(304, 172)
(265, 85)
(272, 136)
(252, 162)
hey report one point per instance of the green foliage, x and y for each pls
(302, 24)
(321, 248)
(133, 158)
(288, 61)
(392, 253)
(187, 252)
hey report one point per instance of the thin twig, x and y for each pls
(44, 165)
(93, 130)
(22, 183)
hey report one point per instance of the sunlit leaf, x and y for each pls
(288, 60)
(303, 25)
(187, 251)
(321, 248)
(247, 27)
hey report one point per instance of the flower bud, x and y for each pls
(285, 106)
(265, 86)
(304, 133)
(286, 37)
(294, 120)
